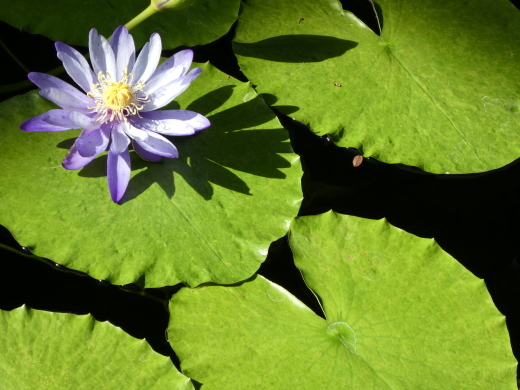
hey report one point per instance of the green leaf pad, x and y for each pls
(55, 351)
(401, 314)
(70, 22)
(438, 90)
(208, 216)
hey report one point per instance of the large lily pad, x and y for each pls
(42, 350)
(208, 216)
(61, 20)
(438, 90)
(400, 314)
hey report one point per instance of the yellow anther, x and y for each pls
(117, 96)
(115, 100)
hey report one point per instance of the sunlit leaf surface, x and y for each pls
(209, 215)
(401, 314)
(55, 351)
(438, 90)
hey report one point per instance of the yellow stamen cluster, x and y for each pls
(115, 100)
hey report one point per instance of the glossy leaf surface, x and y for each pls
(438, 90)
(70, 22)
(400, 314)
(209, 215)
(51, 351)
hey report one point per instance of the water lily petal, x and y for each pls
(101, 54)
(103, 125)
(124, 49)
(91, 143)
(120, 141)
(144, 154)
(135, 133)
(148, 59)
(167, 127)
(86, 122)
(158, 145)
(66, 100)
(195, 120)
(52, 120)
(59, 117)
(170, 91)
(44, 81)
(73, 160)
(76, 66)
(174, 67)
(118, 173)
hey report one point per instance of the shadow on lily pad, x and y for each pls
(232, 143)
(295, 48)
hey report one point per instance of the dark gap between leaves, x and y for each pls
(473, 217)
(44, 285)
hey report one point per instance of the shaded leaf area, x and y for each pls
(473, 217)
(241, 174)
(42, 56)
(482, 235)
(204, 22)
(425, 93)
(42, 284)
(85, 354)
(296, 48)
(399, 311)
(219, 53)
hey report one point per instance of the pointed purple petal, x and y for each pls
(174, 67)
(157, 144)
(91, 143)
(120, 140)
(53, 120)
(101, 54)
(66, 100)
(73, 160)
(44, 81)
(118, 173)
(36, 123)
(144, 154)
(59, 117)
(124, 49)
(135, 133)
(167, 93)
(148, 59)
(195, 120)
(166, 127)
(81, 121)
(76, 66)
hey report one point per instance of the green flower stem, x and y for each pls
(149, 11)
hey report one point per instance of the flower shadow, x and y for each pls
(211, 157)
(296, 48)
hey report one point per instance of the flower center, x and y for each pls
(117, 96)
(115, 100)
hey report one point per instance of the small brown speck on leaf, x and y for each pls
(337, 85)
(301, 20)
(357, 160)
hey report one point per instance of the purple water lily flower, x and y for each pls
(118, 105)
